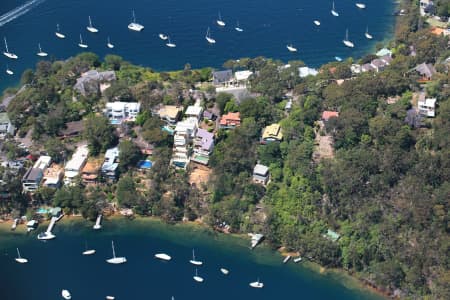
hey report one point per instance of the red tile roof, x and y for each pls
(326, 115)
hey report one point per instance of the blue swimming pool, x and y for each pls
(144, 164)
(42, 210)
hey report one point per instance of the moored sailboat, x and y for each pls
(81, 44)
(41, 53)
(20, 259)
(334, 12)
(7, 53)
(134, 25)
(219, 21)
(90, 27)
(209, 38)
(347, 42)
(115, 260)
(58, 33)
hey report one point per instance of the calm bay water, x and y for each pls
(269, 25)
(58, 264)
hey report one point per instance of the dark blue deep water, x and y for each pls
(58, 264)
(269, 25)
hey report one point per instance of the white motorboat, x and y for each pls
(46, 235)
(360, 5)
(134, 25)
(7, 53)
(257, 284)
(41, 53)
(163, 36)
(115, 260)
(20, 259)
(81, 44)
(194, 261)
(110, 297)
(317, 22)
(224, 271)
(334, 12)
(109, 45)
(198, 278)
(163, 256)
(91, 28)
(209, 38)
(219, 21)
(367, 34)
(298, 259)
(170, 44)
(347, 42)
(286, 259)
(66, 294)
(9, 71)
(238, 28)
(291, 48)
(338, 58)
(58, 33)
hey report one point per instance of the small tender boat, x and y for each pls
(360, 5)
(334, 12)
(134, 25)
(198, 278)
(224, 271)
(9, 71)
(115, 260)
(220, 22)
(7, 53)
(347, 42)
(58, 33)
(41, 53)
(286, 259)
(209, 38)
(46, 235)
(163, 36)
(338, 58)
(163, 256)
(298, 259)
(317, 22)
(257, 284)
(110, 297)
(291, 48)
(91, 28)
(110, 46)
(66, 294)
(194, 261)
(170, 44)
(81, 44)
(16, 221)
(367, 34)
(20, 259)
(238, 28)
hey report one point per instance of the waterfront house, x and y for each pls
(89, 82)
(367, 67)
(32, 179)
(242, 77)
(110, 164)
(223, 78)
(90, 171)
(378, 64)
(203, 146)
(117, 112)
(327, 114)
(230, 120)
(272, 133)
(384, 52)
(75, 164)
(426, 71)
(72, 129)
(53, 176)
(169, 113)
(427, 107)
(43, 162)
(261, 174)
(5, 125)
(306, 71)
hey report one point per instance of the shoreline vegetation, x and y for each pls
(358, 175)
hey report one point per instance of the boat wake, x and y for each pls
(19, 11)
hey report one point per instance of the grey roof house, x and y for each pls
(222, 78)
(261, 174)
(89, 82)
(425, 70)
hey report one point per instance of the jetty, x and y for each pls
(98, 222)
(256, 239)
(56, 216)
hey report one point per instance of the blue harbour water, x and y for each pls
(58, 264)
(269, 25)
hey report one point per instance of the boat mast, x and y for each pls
(6, 45)
(114, 252)
(90, 22)
(18, 253)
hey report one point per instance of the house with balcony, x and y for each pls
(223, 78)
(5, 124)
(53, 176)
(74, 166)
(242, 77)
(230, 120)
(272, 133)
(194, 111)
(32, 179)
(427, 107)
(261, 174)
(118, 111)
(203, 146)
(169, 113)
(91, 170)
(110, 164)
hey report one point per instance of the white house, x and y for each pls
(242, 77)
(122, 111)
(110, 164)
(306, 71)
(194, 112)
(427, 107)
(261, 174)
(75, 164)
(5, 124)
